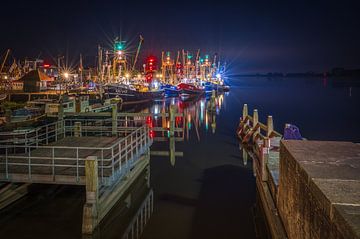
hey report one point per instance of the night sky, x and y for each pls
(253, 36)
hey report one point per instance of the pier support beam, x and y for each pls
(90, 210)
(114, 119)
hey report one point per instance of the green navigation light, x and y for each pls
(119, 45)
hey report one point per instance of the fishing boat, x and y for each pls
(171, 90)
(190, 89)
(26, 114)
(129, 94)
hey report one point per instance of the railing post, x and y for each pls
(136, 142)
(112, 162)
(37, 137)
(114, 120)
(77, 165)
(270, 126)
(29, 162)
(53, 161)
(77, 129)
(90, 210)
(132, 148)
(47, 134)
(56, 130)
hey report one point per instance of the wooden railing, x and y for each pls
(258, 137)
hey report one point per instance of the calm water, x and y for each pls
(210, 192)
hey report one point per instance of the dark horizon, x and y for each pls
(251, 36)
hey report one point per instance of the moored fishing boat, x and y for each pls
(190, 89)
(171, 90)
(129, 94)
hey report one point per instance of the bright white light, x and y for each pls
(119, 53)
(218, 76)
(127, 75)
(66, 75)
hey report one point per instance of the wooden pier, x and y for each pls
(106, 154)
(308, 189)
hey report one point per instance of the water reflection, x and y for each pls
(192, 114)
(131, 214)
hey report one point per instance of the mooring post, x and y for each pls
(265, 150)
(90, 210)
(114, 119)
(255, 122)
(270, 126)
(77, 129)
(172, 120)
(245, 111)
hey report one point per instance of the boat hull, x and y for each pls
(171, 90)
(189, 89)
(129, 95)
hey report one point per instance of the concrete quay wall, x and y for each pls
(319, 189)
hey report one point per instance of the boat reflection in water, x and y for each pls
(132, 212)
(191, 114)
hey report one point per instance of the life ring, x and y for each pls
(87, 109)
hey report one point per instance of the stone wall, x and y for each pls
(319, 189)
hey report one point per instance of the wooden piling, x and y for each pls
(245, 111)
(77, 129)
(270, 126)
(255, 122)
(265, 150)
(90, 210)
(114, 119)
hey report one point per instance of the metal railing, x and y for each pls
(141, 218)
(65, 164)
(38, 136)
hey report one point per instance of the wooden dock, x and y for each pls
(308, 189)
(105, 153)
(104, 159)
(262, 143)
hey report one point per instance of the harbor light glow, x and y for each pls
(218, 76)
(66, 75)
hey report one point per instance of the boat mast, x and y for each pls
(137, 52)
(3, 63)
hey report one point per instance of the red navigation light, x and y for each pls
(46, 65)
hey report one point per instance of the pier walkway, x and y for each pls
(308, 189)
(106, 158)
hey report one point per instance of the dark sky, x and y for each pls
(253, 36)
